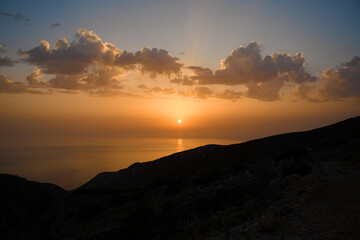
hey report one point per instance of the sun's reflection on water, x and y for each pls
(179, 145)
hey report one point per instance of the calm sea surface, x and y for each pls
(70, 163)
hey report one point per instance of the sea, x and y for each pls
(69, 163)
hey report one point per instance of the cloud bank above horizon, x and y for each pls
(88, 65)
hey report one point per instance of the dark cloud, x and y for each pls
(55, 25)
(230, 94)
(98, 78)
(264, 77)
(343, 82)
(186, 80)
(6, 62)
(17, 17)
(201, 75)
(157, 61)
(336, 84)
(7, 86)
(307, 93)
(101, 77)
(203, 92)
(265, 91)
(67, 82)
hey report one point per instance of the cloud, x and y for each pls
(308, 93)
(65, 59)
(201, 75)
(2, 47)
(58, 84)
(149, 90)
(7, 86)
(87, 50)
(102, 77)
(198, 92)
(6, 62)
(186, 80)
(50, 90)
(87, 63)
(246, 65)
(55, 25)
(34, 77)
(203, 92)
(336, 84)
(182, 53)
(343, 82)
(230, 94)
(98, 78)
(66, 82)
(157, 61)
(111, 93)
(206, 92)
(264, 77)
(18, 17)
(265, 91)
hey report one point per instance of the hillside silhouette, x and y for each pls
(303, 185)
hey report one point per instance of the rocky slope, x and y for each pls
(303, 185)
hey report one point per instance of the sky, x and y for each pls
(227, 69)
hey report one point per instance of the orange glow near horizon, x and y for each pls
(82, 116)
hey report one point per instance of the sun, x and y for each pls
(179, 121)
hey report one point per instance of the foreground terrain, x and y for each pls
(303, 185)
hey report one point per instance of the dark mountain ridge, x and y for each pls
(185, 164)
(303, 185)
